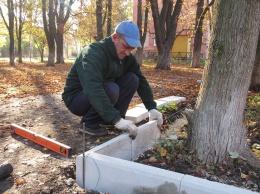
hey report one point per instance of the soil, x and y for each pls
(176, 157)
(39, 170)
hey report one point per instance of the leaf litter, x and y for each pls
(30, 97)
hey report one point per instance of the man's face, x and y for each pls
(122, 48)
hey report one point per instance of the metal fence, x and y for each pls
(178, 56)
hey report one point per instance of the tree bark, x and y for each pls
(109, 17)
(165, 25)
(142, 28)
(19, 27)
(255, 80)
(99, 20)
(10, 27)
(49, 29)
(216, 126)
(61, 21)
(198, 35)
(200, 14)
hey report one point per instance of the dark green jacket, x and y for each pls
(97, 63)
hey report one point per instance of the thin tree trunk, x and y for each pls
(255, 80)
(109, 17)
(11, 31)
(198, 35)
(142, 28)
(61, 21)
(49, 29)
(19, 35)
(99, 20)
(198, 32)
(216, 127)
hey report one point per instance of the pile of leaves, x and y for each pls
(31, 79)
(171, 152)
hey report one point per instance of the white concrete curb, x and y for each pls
(109, 168)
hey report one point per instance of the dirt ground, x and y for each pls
(42, 171)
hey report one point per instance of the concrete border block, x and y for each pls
(108, 167)
(137, 114)
(176, 99)
(159, 104)
(195, 185)
(116, 176)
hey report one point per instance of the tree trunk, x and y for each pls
(49, 29)
(142, 28)
(41, 53)
(139, 56)
(164, 59)
(19, 34)
(11, 31)
(216, 126)
(59, 44)
(198, 35)
(109, 17)
(198, 32)
(165, 24)
(255, 80)
(61, 21)
(99, 20)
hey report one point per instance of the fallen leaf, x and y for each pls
(244, 176)
(163, 152)
(5, 147)
(152, 159)
(64, 127)
(19, 181)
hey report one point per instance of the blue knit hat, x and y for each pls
(131, 33)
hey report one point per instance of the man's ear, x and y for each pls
(114, 37)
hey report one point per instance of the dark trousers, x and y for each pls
(120, 92)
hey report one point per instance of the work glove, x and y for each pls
(156, 115)
(127, 125)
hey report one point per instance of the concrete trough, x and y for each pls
(109, 168)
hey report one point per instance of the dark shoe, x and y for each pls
(94, 132)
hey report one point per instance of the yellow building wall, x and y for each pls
(181, 45)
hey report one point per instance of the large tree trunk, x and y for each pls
(165, 25)
(216, 126)
(59, 44)
(255, 80)
(164, 58)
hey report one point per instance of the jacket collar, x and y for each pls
(111, 47)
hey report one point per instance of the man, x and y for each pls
(103, 80)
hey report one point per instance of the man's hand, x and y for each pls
(127, 125)
(156, 115)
